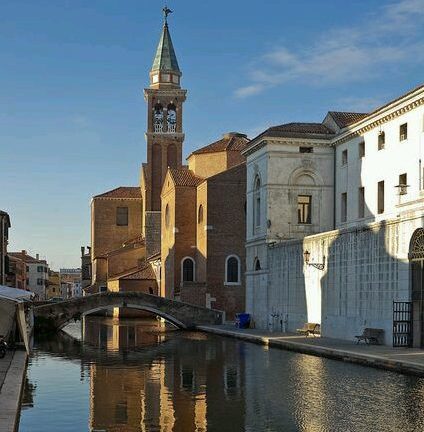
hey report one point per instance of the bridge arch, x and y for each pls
(154, 311)
(182, 315)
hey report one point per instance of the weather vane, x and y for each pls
(166, 12)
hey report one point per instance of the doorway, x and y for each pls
(416, 265)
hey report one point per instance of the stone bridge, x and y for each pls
(183, 315)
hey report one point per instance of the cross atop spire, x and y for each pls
(166, 11)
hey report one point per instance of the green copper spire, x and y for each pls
(165, 58)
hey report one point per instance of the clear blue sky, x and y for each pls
(72, 114)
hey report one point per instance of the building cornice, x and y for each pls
(165, 92)
(173, 136)
(367, 125)
(311, 142)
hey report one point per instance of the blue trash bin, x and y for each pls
(242, 320)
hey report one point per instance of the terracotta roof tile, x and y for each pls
(344, 119)
(230, 142)
(145, 272)
(352, 118)
(136, 240)
(298, 130)
(27, 258)
(184, 177)
(419, 87)
(122, 192)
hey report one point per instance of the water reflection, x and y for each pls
(138, 376)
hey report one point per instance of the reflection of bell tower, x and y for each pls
(164, 121)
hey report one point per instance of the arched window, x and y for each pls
(232, 270)
(187, 269)
(257, 264)
(200, 214)
(257, 203)
(158, 117)
(172, 117)
(167, 215)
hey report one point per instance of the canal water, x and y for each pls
(145, 376)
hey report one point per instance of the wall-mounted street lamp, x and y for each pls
(319, 266)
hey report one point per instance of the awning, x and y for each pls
(15, 294)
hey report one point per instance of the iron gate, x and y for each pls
(402, 324)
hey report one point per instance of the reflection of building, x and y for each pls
(199, 209)
(37, 275)
(172, 387)
(349, 192)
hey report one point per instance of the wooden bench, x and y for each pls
(370, 335)
(310, 329)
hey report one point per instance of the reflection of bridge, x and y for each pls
(183, 315)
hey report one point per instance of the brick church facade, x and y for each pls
(180, 234)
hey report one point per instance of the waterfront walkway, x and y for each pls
(12, 373)
(403, 360)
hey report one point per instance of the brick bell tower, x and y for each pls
(164, 134)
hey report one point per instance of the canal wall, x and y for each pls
(11, 387)
(364, 270)
(398, 360)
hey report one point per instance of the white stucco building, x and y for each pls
(350, 192)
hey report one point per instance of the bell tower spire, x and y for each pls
(165, 133)
(165, 72)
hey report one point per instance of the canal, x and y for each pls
(143, 375)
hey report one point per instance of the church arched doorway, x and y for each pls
(416, 262)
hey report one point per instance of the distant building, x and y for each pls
(4, 236)
(53, 286)
(37, 273)
(70, 282)
(85, 267)
(17, 274)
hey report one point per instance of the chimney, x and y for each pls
(82, 251)
(37, 256)
(23, 252)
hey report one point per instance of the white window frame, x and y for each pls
(226, 270)
(182, 269)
